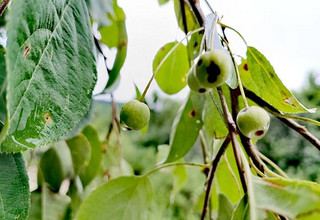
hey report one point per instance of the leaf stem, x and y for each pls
(214, 166)
(164, 60)
(275, 166)
(231, 28)
(174, 164)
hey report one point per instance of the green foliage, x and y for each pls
(120, 198)
(186, 126)
(14, 187)
(51, 71)
(259, 76)
(171, 75)
(191, 156)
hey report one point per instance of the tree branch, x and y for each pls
(3, 6)
(289, 122)
(214, 166)
(232, 133)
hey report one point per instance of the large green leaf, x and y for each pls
(171, 76)
(51, 71)
(124, 198)
(292, 198)
(114, 35)
(186, 126)
(80, 152)
(94, 165)
(14, 187)
(3, 85)
(47, 205)
(258, 75)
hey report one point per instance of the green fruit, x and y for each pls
(193, 83)
(135, 115)
(213, 68)
(253, 122)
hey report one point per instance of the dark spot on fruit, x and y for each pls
(199, 62)
(245, 67)
(213, 71)
(26, 51)
(202, 90)
(259, 132)
(192, 113)
(195, 44)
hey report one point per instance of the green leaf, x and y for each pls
(162, 2)
(114, 35)
(51, 71)
(122, 198)
(225, 208)
(3, 86)
(258, 75)
(191, 20)
(186, 127)
(80, 152)
(55, 165)
(76, 194)
(47, 205)
(242, 210)
(171, 76)
(92, 169)
(214, 124)
(14, 187)
(291, 198)
(101, 11)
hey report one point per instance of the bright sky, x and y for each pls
(286, 32)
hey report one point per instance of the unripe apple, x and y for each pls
(213, 68)
(193, 83)
(135, 115)
(253, 122)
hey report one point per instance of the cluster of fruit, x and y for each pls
(210, 71)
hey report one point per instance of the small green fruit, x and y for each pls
(193, 83)
(135, 115)
(253, 122)
(213, 68)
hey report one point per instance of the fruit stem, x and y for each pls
(275, 166)
(164, 60)
(237, 73)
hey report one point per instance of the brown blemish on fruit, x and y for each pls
(192, 113)
(48, 118)
(245, 67)
(202, 90)
(259, 133)
(199, 62)
(26, 51)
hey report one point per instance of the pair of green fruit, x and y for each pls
(212, 70)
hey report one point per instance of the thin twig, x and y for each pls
(303, 131)
(3, 6)
(214, 166)
(232, 133)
